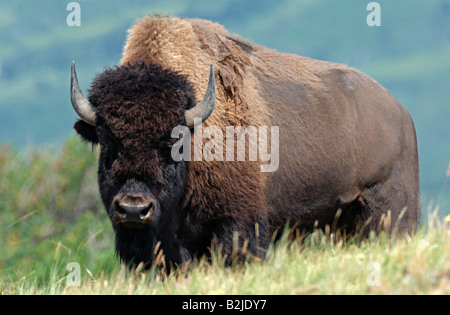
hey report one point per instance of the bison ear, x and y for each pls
(87, 132)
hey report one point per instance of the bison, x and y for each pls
(346, 146)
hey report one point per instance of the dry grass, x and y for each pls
(417, 265)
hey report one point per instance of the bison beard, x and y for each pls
(135, 246)
(346, 145)
(140, 246)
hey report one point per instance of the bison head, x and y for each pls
(130, 112)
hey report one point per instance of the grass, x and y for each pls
(420, 265)
(51, 216)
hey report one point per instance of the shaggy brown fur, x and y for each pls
(345, 142)
(341, 132)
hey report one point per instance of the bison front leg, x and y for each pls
(240, 240)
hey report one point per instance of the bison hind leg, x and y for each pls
(391, 206)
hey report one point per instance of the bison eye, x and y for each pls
(104, 142)
(103, 147)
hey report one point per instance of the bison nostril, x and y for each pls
(144, 213)
(121, 211)
(147, 210)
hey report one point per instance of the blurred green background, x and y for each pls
(409, 55)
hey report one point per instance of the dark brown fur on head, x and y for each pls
(144, 93)
(138, 106)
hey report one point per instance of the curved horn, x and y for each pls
(206, 106)
(80, 104)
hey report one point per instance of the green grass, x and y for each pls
(420, 265)
(51, 216)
